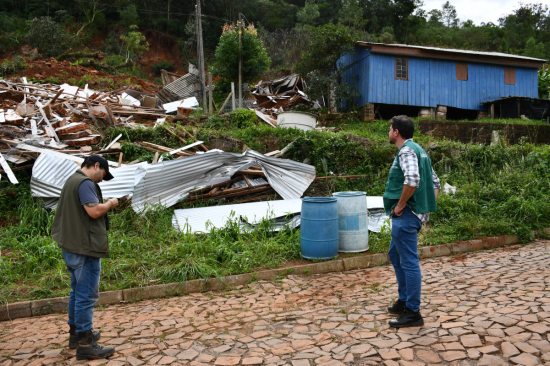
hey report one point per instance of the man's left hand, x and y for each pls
(398, 210)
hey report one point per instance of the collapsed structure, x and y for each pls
(52, 127)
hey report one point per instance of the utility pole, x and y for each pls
(200, 54)
(240, 86)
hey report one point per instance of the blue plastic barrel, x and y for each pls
(319, 228)
(353, 221)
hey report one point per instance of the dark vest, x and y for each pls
(423, 199)
(75, 231)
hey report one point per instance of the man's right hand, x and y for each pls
(113, 202)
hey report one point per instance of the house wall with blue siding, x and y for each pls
(431, 82)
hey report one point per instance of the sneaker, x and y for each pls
(88, 349)
(73, 338)
(407, 318)
(397, 308)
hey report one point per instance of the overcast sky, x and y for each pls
(481, 11)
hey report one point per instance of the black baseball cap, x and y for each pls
(92, 159)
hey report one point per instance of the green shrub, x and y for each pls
(12, 65)
(242, 118)
(50, 38)
(215, 122)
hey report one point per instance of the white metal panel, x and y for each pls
(204, 219)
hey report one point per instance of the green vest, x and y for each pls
(423, 199)
(75, 231)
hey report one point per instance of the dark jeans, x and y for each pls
(403, 255)
(84, 272)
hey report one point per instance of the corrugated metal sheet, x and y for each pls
(204, 219)
(51, 170)
(185, 86)
(169, 182)
(431, 82)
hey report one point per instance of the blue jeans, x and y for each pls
(403, 255)
(84, 272)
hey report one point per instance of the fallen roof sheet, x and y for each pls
(204, 219)
(171, 181)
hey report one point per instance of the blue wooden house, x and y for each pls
(397, 76)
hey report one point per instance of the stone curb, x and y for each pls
(59, 305)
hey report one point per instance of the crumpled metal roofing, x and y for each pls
(169, 182)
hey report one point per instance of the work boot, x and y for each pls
(73, 337)
(397, 308)
(407, 318)
(88, 349)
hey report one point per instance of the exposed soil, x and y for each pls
(162, 47)
(60, 72)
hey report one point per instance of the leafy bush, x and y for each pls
(48, 37)
(215, 122)
(114, 61)
(12, 65)
(242, 118)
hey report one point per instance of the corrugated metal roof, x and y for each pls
(169, 182)
(185, 86)
(452, 50)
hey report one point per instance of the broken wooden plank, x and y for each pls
(8, 170)
(83, 141)
(264, 117)
(185, 147)
(50, 128)
(163, 149)
(113, 142)
(72, 127)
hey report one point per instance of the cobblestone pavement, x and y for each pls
(484, 308)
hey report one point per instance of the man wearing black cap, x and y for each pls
(80, 228)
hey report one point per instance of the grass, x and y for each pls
(500, 190)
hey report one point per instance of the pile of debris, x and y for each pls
(50, 128)
(70, 119)
(275, 96)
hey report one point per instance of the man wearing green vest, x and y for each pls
(80, 229)
(409, 197)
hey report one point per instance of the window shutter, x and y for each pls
(509, 76)
(461, 71)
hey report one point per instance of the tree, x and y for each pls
(48, 37)
(129, 15)
(327, 44)
(527, 21)
(309, 14)
(449, 15)
(90, 10)
(351, 14)
(255, 59)
(534, 48)
(135, 44)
